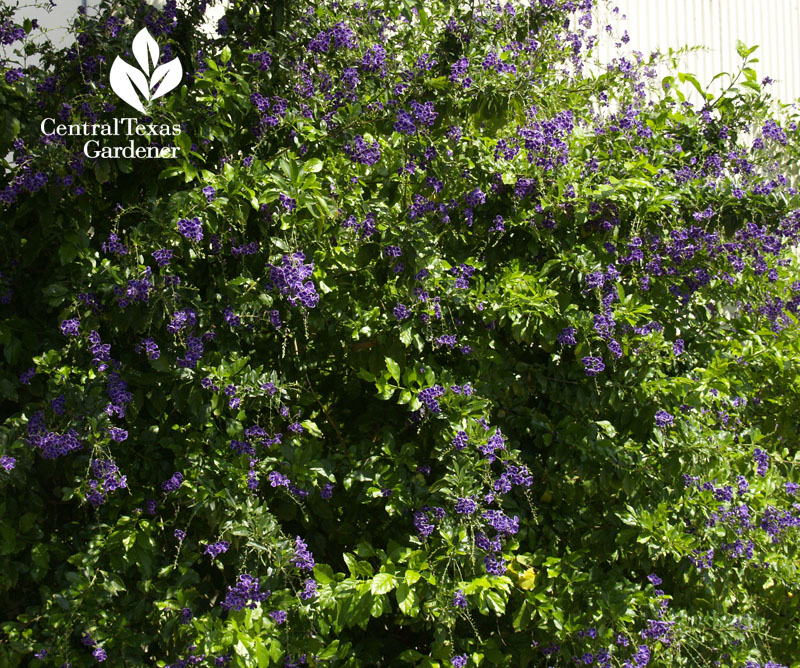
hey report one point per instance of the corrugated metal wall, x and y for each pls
(715, 24)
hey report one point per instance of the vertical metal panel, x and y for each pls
(716, 24)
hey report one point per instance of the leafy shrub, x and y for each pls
(429, 348)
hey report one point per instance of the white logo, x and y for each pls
(126, 79)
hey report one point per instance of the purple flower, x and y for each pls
(278, 616)
(246, 593)
(424, 113)
(173, 483)
(290, 278)
(215, 549)
(401, 311)
(494, 565)
(475, 197)
(664, 419)
(567, 336)
(70, 327)
(191, 229)
(762, 458)
(162, 256)
(502, 523)
(278, 479)
(100, 654)
(405, 123)
(361, 152)
(287, 202)
(642, 656)
(26, 376)
(150, 347)
(460, 440)
(459, 661)
(459, 600)
(466, 506)
(180, 534)
(114, 245)
(594, 365)
(8, 463)
(210, 193)
(117, 434)
(310, 590)
(302, 558)
(677, 347)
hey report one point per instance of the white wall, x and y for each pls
(54, 19)
(717, 24)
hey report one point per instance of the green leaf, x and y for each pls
(405, 598)
(330, 652)
(102, 171)
(313, 166)
(382, 583)
(262, 655)
(324, 574)
(394, 368)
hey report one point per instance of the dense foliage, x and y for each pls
(431, 347)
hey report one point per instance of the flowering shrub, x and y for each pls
(429, 348)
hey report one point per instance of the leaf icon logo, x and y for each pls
(139, 87)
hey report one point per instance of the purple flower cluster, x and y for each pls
(302, 557)
(494, 564)
(336, 37)
(216, 549)
(466, 506)
(194, 351)
(150, 347)
(460, 440)
(290, 279)
(664, 419)
(106, 480)
(162, 256)
(245, 249)
(425, 519)
(117, 389)
(429, 395)
(191, 229)
(546, 141)
(173, 483)
(500, 522)
(70, 327)
(495, 442)
(593, 365)
(459, 600)
(114, 245)
(360, 151)
(513, 476)
(310, 589)
(246, 593)
(762, 459)
(278, 616)
(51, 444)
(263, 58)
(401, 311)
